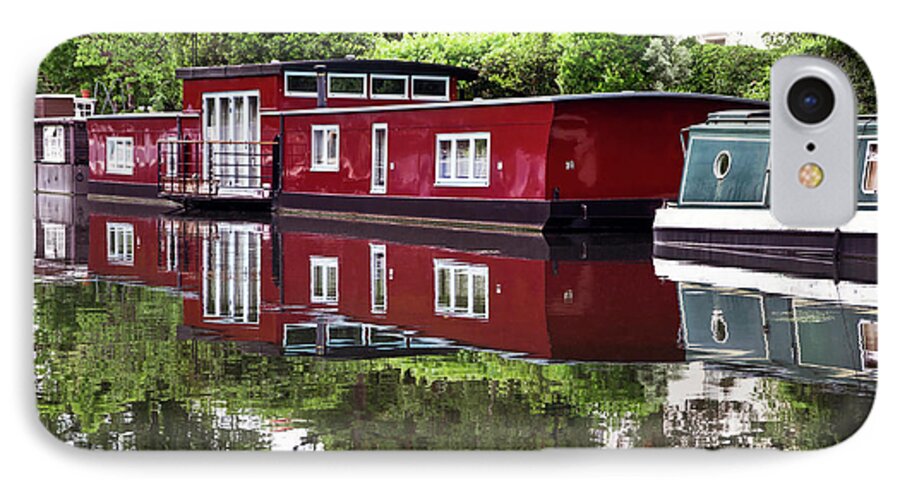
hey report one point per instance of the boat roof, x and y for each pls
(763, 117)
(627, 95)
(345, 65)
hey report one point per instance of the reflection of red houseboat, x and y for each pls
(285, 287)
(392, 138)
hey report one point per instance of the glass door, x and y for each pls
(231, 162)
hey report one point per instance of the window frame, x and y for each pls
(120, 231)
(324, 167)
(406, 86)
(374, 250)
(373, 188)
(113, 165)
(59, 145)
(866, 168)
(470, 270)
(454, 180)
(345, 95)
(326, 263)
(412, 88)
(290, 93)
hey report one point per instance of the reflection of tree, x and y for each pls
(112, 374)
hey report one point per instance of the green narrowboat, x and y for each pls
(722, 212)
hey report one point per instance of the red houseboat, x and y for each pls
(383, 137)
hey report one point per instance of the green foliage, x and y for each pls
(600, 62)
(741, 71)
(669, 63)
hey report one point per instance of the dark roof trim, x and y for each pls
(516, 101)
(342, 65)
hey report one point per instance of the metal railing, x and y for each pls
(191, 169)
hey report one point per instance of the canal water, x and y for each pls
(155, 329)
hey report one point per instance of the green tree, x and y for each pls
(600, 62)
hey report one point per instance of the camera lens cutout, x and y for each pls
(810, 100)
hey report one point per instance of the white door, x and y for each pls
(379, 158)
(231, 160)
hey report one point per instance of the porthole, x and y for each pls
(722, 164)
(719, 327)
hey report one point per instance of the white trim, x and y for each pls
(412, 88)
(374, 249)
(119, 162)
(760, 219)
(325, 166)
(289, 93)
(454, 180)
(845, 292)
(346, 95)
(373, 188)
(470, 271)
(406, 84)
(326, 264)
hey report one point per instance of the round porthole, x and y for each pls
(722, 164)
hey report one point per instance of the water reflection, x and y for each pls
(260, 332)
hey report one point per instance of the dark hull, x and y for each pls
(838, 256)
(528, 214)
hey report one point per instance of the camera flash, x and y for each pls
(811, 175)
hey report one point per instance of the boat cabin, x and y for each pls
(61, 143)
(386, 137)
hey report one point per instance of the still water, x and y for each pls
(163, 330)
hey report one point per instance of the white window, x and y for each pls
(323, 280)
(120, 243)
(84, 108)
(379, 158)
(463, 159)
(119, 155)
(326, 145)
(378, 277)
(460, 289)
(54, 144)
(390, 87)
(300, 84)
(54, 241)
(171, 156)
(347, 85)
(430, 88)
(870, 172)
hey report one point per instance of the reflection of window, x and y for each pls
(120, 243)
(868, 332)
(341, 85)
(378, 277)
(54, 241)
(463, 159)
(323, 280)
(231, 274)
(389, 87)
(460, 289)
(169, 245)
(54, 144)
(433, 88)
(719, 327)
(870, 173)
(119, 155)
(326, 141)
(300, 84)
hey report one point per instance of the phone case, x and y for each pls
(438, 241)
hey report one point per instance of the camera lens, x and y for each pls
(810, 100)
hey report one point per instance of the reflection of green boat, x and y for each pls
(722, 210)
(756, 321)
